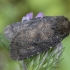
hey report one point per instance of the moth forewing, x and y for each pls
(39, 35)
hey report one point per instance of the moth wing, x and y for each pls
(22, 46)
(11, 30)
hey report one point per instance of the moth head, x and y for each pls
(63, 25)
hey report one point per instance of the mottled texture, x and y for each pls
(31, 37)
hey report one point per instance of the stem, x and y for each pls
(23, 65)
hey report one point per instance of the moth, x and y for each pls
(36, 35)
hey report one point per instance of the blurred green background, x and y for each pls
(12, 11)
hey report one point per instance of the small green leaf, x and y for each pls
(4, 42)
(47, 60)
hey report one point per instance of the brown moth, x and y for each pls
(32, 37)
